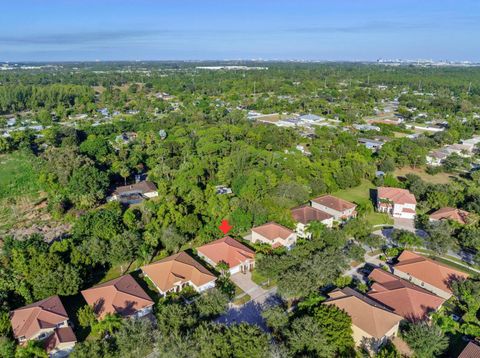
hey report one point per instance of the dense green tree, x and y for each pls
(426, 340)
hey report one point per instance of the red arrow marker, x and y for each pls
(225, 227)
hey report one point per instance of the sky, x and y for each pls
(335, 30)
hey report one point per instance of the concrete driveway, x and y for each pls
(244, 281)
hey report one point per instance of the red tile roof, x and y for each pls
(396, 195)
(305, 214)
(29, 320)
(403, 297)
(227, 250)
(334, 203)
(472, 350)
(60, 335)
(366, 314)
(122, 295)
(448, 213)
(428, 271)
(180, 267)
(272, 231)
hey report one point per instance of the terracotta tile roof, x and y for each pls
(401, 296)
(472, 350)
(428, 271)
(272, 231)
(448, 213)
(305, 214)
(142, 187)
(396, 195)
(29, 320)
(228, 250)
(368, 315)
(122, 295)
(60, 335)
(180, 267)
(334, 203)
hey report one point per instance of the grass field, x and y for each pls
(440, 178)
(361, 195)
(19, 189)
(18, 175)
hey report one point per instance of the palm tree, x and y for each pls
(316, 229)
(109, 324)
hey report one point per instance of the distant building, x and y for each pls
(222, 189)
(399, 203)
(371, 144)
(134, 193)
(366, 127)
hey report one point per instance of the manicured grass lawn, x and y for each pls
(242, 300)
(440, 178)
(262, 281)
(361, 195)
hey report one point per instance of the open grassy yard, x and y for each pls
(18, 175)
(440, 178)
(361, 195)
(19, 190)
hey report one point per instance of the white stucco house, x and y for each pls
(399, 203)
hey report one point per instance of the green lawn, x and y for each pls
(19, 189)
(262, 281)
(18, 175)
(361, 195)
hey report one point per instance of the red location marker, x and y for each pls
(225, 227)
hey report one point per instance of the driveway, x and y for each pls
(244, 281)
(251, 312)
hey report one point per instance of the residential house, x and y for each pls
(126, 137)
(237, 256)
(372, 144)
(274, 234)
(42, 319)
(134, 193)
(448, 213)
(340, 209)
(175, 272)
(472, 350)
(372, 323)
(399, 203)
(402, 297)
(305, 214)
(427, 273)
(472, 143)
(366, 127)
(436, 157)
(61, 342)
(122, 296)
